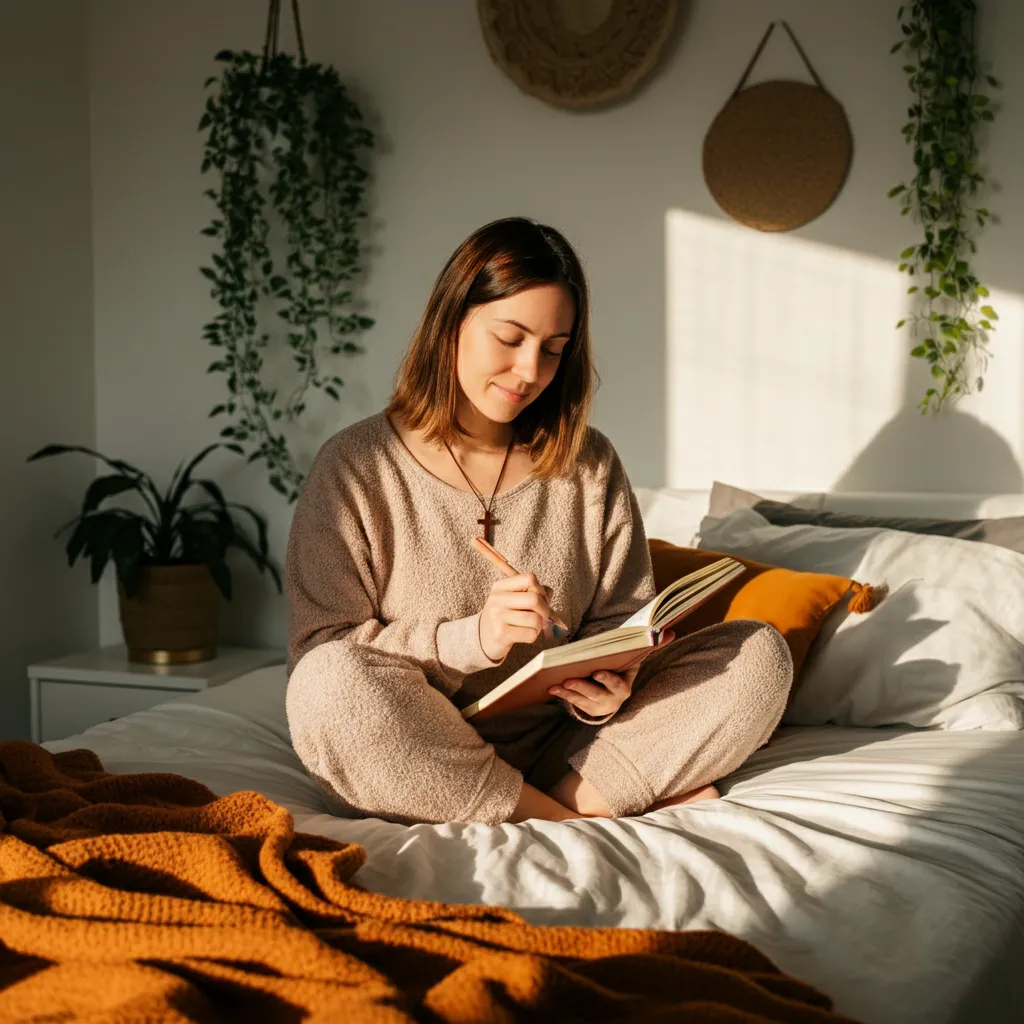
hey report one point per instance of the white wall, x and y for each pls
(459, 145)
(46, 387)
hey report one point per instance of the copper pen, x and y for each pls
(501, 562)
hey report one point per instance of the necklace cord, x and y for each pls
(486, 507)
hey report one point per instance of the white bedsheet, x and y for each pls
(884, 866)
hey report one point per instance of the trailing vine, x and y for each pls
(944, 75)
(285, 139)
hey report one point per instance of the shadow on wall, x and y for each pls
(784, 371)
(950, 452)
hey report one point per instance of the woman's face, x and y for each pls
(509, 349)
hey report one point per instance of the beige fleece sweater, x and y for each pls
(379, 552)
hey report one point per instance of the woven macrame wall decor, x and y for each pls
(778, 153)
(576, 54)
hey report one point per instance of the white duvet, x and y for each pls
(884, 866)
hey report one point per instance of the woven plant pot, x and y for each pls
(173, 617)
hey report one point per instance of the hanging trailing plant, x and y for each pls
(950, 326)
(286, 141)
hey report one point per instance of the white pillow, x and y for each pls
(944, 648)
(672, 515)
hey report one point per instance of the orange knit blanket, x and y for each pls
(146, 898)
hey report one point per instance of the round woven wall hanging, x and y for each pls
(778, 153)
(576, 54)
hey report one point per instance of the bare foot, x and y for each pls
(704, 793)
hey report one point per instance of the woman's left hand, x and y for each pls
(604, 692)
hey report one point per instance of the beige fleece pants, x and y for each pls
(382, 742)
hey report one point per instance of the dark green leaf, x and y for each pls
(204, 542)
(104, 487)
(212, 489)
(78, 539)
(61, 449)
(99, 543)
(127, 548)
(182, 478)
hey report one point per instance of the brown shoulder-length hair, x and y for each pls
(496, 261)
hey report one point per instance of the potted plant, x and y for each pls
(170, 559)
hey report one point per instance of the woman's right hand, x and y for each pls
(514, 613)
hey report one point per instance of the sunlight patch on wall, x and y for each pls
(784, 370)
(782, 359)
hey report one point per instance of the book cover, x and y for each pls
(615, 650)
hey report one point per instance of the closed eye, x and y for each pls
(515, 344)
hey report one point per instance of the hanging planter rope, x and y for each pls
(273, 31)
(286, 141)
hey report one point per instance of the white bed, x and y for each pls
(885, 866)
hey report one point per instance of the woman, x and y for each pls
(397, 622)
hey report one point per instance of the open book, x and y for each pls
(614, 650)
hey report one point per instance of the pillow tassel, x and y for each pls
(864, 598)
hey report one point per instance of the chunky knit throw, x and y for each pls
(147, 898)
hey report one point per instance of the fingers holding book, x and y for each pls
(604, 692)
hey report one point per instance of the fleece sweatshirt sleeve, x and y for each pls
(332, 594)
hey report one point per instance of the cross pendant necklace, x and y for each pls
(488, 520)
(486, 524)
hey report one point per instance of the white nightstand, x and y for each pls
(70, 694)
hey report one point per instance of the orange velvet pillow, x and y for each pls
(795, 603)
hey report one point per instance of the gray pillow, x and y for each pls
(1006, 532)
